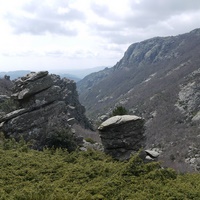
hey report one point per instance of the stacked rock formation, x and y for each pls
(45, 104)
(122, 135)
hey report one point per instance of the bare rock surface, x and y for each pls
(43, 109)
(122, 135)
(117, 120)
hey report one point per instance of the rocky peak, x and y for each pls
(45, 104)
(149, 51)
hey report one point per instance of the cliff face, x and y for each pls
(158, 79)
(45, 105)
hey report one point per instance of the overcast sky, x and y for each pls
(71, 34)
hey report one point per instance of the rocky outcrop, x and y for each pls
(188, 97)
(122, 135)
(46, 106)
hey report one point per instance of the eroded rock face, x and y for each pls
(122, 135)
(45, 104)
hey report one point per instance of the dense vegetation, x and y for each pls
(120, 110)
(27, 174)
(7, 106)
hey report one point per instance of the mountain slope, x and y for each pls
(158, 79)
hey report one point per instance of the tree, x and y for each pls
(61, 138)
(119, 110)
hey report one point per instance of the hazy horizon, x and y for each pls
(76, 73)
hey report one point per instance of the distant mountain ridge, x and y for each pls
(76, 74)
(80, 73)
(14, 74)
(20, 73)
(158, 79)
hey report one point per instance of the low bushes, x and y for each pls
(57, 174)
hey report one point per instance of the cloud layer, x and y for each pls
(39, 17)
(137, 19)
(143, 19)
(98, 31)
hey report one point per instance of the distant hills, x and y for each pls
(79, 73)
(158, 79)
(14, 74)
(76, 74)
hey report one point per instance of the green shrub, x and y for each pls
(8, 106)
(61, 138)
(57, 174)
(90, 140)
(120, 110)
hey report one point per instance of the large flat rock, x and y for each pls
(117, 120)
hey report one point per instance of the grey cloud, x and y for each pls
(38, 26)
(146, 19)
(114, 36)
(99, 9)
(123, 38)
(44, 11)
(168, 7)
(118, 33)
(103, 11)
(46, 19)
(115, 48)
(152, 11)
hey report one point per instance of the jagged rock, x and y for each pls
(13, 114)
(152, 153)
(122, 135)
(28, 89)
(71, 121)
(196, 117)
(149, 158)
(44, 109)
(102, 118)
